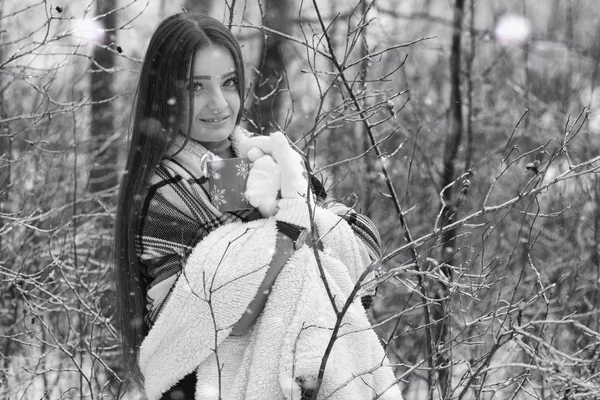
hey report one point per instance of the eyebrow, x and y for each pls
(208, 77)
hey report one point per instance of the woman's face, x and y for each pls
(216, 96)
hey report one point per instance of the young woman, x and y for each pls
(193, 282)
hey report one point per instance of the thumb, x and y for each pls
(261, 142)
(255, 153)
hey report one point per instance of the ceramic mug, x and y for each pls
(227, 183)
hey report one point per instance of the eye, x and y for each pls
(230, 82)
(195, 86)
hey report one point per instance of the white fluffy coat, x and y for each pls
(288, 340)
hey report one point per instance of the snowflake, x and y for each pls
(218, 197)
(244, 199)
(242, 169)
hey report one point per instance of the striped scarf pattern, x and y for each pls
(176, 215)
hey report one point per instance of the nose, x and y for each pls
(217, 101)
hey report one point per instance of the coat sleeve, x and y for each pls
(367, 242)
(364, 229)
(350, 237)
(218, 282)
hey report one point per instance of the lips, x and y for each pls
(214, 120)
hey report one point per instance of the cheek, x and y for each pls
(200, 103)
(184, 115)
(233, 99)
(187, 111)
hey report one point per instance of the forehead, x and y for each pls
(213, 61)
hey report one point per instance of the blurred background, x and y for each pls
(467, 130)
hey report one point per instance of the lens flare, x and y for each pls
(512, 30)
(89, 30)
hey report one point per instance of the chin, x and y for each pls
(214, 136)
(219, 135)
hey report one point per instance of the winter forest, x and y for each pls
(467, 130)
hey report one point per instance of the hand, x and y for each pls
(294, 179)
(262, 186)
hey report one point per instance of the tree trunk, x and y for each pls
(366, 197)
(9, 294)
(198, 6)
(103, 173)
(441, 314)
(270, 85)
(5, 152)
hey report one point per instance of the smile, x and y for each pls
(214, 120)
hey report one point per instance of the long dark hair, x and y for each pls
(167, 68)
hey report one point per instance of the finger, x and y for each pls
(262, 142)
(265, 163)
(255, 153)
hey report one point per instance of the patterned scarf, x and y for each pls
(176, 215)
